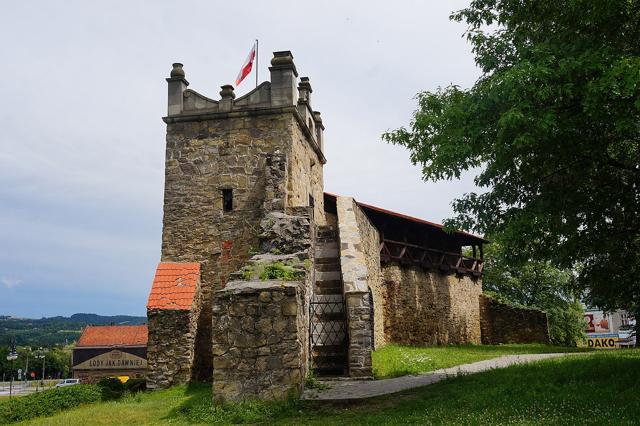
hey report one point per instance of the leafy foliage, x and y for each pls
(57, 362)
(537, 284)
(48, 402)
(551, 131)
(111, 387)
(280, 271)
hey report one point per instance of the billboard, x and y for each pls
(603, 340)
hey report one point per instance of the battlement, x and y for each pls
(283, 93)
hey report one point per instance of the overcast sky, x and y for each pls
(82, 140)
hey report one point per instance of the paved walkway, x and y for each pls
(343, 390)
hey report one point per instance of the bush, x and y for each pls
(566, 324)
(135, 385)
(281, 271)
(111, 387)
(48, 402)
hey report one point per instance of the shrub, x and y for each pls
(280, 271)
(111, 387)
(48, 402)
(135, 385)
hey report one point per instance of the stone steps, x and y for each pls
(328, 266)
(329, 352)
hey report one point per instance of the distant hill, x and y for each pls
(55, 330)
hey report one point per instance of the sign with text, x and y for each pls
(114, 360)
(602, 341)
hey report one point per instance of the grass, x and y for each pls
(600, 388)
(399, 360)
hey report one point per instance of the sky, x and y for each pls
(82, 141)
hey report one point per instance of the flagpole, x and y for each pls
(257, 62)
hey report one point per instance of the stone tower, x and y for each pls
(228, 163)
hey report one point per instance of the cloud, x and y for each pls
(10, 282)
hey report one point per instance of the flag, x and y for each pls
(247, 66)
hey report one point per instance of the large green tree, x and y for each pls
(552, 131)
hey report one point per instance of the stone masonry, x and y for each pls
(355, 277)
(502, 323)
(425, 307)
(260, 319)
(260, 340)
(173, 311)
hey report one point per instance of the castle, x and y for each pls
(264, 276)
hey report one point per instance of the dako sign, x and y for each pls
(602, 342)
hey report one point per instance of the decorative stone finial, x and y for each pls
(284, 57)
(227, 92)
(177, 71)
(304, 84)
(317, 118)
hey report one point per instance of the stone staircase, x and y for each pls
(328, 319)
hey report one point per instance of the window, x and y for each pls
(227, 200)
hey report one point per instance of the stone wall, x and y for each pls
(502, 323)
(424, 307)
(260, 322)
(170, 348)
(260, 340)
(306, 176)
(370, 238)
(355, 279)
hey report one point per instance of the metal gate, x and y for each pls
(328, 334)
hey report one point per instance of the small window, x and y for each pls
(312, 202)
(227, 200)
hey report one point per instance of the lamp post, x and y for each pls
(41, 355)
(12, 356)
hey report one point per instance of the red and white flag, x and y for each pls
(248, 65)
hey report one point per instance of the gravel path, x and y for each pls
(359, 389)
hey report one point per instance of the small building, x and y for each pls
(110, 351)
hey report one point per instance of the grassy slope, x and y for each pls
(398, 360)
(601, 388)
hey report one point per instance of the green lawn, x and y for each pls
(399, 360)
(601, 388)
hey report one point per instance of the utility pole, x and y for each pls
(12, 356)
(41, 355)
(26, 367)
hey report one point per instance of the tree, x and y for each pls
(537, 284)
(552, 130)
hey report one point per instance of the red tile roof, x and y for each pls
(113, 335)
(174, 286)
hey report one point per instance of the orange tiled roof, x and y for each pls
(174, 286)
(113, 335)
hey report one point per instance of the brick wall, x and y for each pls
(502, 323)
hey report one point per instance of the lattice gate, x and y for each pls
(328, 335)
